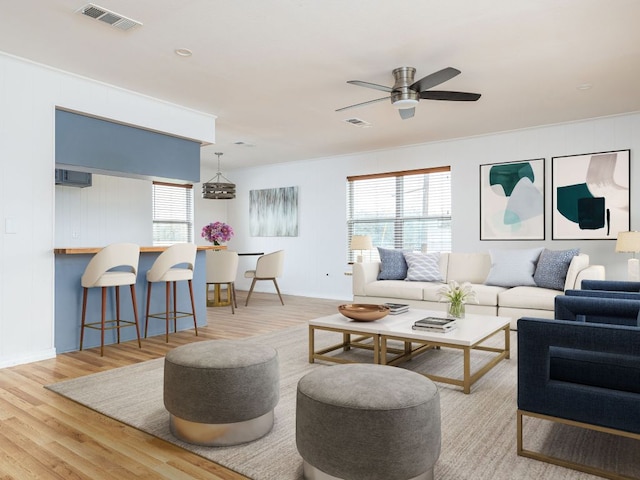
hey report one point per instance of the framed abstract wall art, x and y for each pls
(273, 212)
(512, 200)
(591, 196)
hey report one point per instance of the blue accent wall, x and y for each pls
(103, 146)
(68, 301)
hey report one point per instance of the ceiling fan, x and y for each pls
(405, 93)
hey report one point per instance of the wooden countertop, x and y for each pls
(86, 250)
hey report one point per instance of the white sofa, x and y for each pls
(514, 302)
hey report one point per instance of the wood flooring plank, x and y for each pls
(46, 436)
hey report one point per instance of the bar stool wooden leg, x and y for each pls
(193, 306)
(175, 307)
(118, 312)
(84, 313)
(166, 310)
(146, 322)
(135, 312)
(104, 314)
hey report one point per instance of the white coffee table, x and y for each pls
(471, 333)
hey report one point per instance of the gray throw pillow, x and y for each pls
(423, 267)
(552, 268)
(392, 264)
(513, 268)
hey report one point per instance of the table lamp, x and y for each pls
(360, 243)
(629, 242)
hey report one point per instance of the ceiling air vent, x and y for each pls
(107, 16)
(357, 122)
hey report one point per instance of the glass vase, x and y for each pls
(456, 309)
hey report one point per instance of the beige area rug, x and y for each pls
(478, 430)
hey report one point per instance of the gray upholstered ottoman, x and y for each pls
(367, 422)
(221, 392)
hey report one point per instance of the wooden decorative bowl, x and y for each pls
(363, 312)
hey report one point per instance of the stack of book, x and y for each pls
(435, 324)
(396, 308)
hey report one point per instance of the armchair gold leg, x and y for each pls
(521, 451)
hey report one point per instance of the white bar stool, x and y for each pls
(98, 274)
(165, 269)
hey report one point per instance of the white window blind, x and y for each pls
(408, 210)
(172, 213)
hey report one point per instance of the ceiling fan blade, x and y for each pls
(434, 79)
(451, 96)
(370, 85)
(407, 112)
(363, 103)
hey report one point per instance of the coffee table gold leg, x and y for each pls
(467, 371)
(346, 341)
(507, 341)
(312, 342)
(382, 357)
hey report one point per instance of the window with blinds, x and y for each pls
(172, 213)
(408, 210)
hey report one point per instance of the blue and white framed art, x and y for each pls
(590, 195)
(512, 200)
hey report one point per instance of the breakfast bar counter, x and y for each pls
(70, 264)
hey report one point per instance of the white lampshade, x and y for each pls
(629, 242)
(361, 242)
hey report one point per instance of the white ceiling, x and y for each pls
(274, 71)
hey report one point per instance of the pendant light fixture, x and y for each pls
(216, 189)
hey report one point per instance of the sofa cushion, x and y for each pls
(392, 264)
(468, 267)
(395, 289)
(423, 267)
(513, 268)
(528, 297)
(552, 267)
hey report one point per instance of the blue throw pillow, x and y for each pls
(552, 268)
(392, 264)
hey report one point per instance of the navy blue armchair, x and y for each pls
(581, 369)
(607, 289)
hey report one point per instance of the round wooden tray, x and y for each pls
(363, 312)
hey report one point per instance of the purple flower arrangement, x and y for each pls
(217, 233)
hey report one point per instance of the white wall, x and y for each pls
(316, 259)
(29, 94)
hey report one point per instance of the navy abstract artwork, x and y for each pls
(591, 196)
(512, 200)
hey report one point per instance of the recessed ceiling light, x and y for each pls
(584, 86)
(183, 52)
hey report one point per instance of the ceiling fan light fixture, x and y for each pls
(405, 103)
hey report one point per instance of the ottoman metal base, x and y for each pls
(221, 434)
(312, 473)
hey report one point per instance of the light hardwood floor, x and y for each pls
(46, 436)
